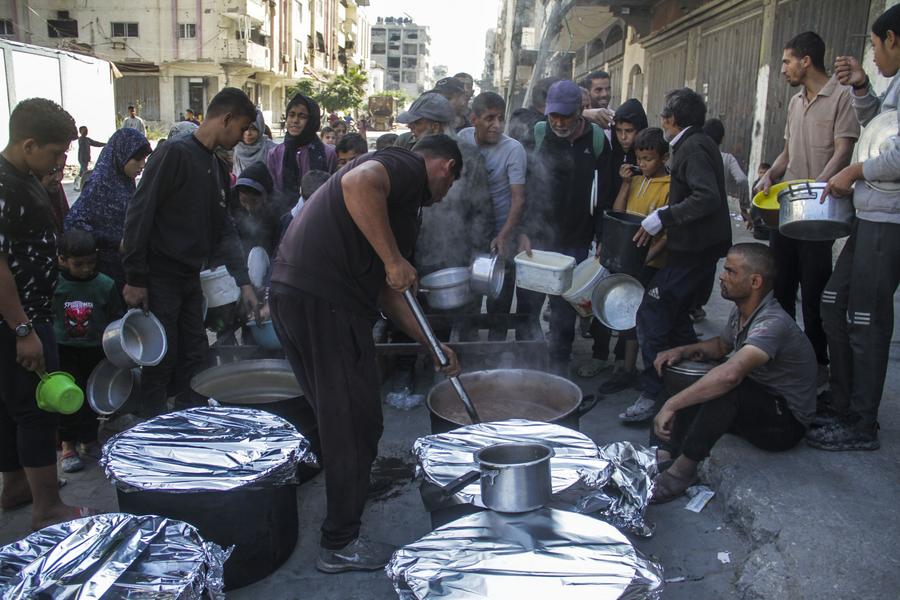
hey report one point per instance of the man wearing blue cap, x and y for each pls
(563, 212)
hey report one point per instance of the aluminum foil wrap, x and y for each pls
(612, 482)
(539, 555)
(110, 556)
(206, 449)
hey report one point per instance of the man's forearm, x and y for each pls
(516, 210)
(395, 308)
(841, 158)
(779, 167)
(714, 384)
(10, 306)
(711, 349)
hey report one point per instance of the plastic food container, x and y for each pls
(219, 287)
(545, 272)
(585, 278)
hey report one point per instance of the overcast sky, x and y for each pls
(457, 28)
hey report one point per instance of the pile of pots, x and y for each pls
(455, 287)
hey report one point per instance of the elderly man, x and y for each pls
(562, 215)
(858, 302)
(430, 113)
(698, 227)
(819, 137)
(344, 258)
(765, 392)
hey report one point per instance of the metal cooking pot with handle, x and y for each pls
(515, 477)
(446, 289)
(803, 215)
(488, 274)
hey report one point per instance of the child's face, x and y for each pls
(79, 267)
(251, 200)
(760, 171)
(626, 132)
(651, 163)
(328, 138)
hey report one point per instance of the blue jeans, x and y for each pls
(663, 320)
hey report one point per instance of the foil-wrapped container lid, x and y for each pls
(206, 449)
(543, 554)
(110, 556)
(446, 456)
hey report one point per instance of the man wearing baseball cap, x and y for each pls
(455, 92)
(563, 214)
(431, 113)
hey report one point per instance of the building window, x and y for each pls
(379, 48)
(410, 62)
(412, 35)
(125, 30)
(409, 77)
(394, 36)
(393, 62)
(411, 49)
(187, 31)
(64, 27)
(6, 27)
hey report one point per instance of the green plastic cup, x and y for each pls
(57, 392)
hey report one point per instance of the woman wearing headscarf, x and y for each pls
(254, 147)
(100, 210)
(301, 152)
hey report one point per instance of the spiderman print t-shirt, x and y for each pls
(28, 240)
(83, 308)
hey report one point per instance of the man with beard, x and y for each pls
(819, 137)
(599, 86)
(455, 92)
(562, 215)
(698, 229)
(344, 259)
(765, 392)
(175, 222)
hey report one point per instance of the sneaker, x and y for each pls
(697, 314)
(842, 437)
(71, 463)
(643, 409)
(361, 554)
(620, 380)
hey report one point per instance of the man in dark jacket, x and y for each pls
(562, 215)
(175, 222)
(698, 227)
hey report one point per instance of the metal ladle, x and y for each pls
(439, 353)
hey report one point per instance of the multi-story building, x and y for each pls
(402, 48)
(176, 54)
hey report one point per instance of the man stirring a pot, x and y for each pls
(344, 258)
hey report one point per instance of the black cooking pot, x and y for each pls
(681, 376)
(261, 544)
(503, 394)
(619, 253)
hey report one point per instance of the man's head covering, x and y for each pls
(449, 86)
(257, 177)
(632, 111)
(563, 98)
(431, 106)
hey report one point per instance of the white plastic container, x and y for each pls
(585, 278)
(545, 272)
(219, 287)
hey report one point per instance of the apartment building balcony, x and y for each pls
(238, 9)
(246, 53)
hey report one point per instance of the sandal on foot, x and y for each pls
(593, 368)
(667, 487)
(71, 462)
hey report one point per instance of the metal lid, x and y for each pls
(113, 555)
(692, 367)
(876, 138)
(258, 266)
(205, 449)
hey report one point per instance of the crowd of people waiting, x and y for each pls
(347, 231)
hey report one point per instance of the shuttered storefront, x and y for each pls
(728, 59)
(615, 78)
(666, 65)
(843, 26)
(141, 91)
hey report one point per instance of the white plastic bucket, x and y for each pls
(219, 287)
(545, 272)
(585, 278)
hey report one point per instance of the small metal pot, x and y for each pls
(135, 340)
(514, 477)
(615, 301)
(681, 376)
(803, 216)
(109, 387)
(488, 274)
(447, 289)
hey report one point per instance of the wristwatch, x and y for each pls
(23, 329)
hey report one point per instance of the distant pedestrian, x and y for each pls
(134, 122)
(191, 117)
(84, 155)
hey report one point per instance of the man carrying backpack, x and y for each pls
(569, 187)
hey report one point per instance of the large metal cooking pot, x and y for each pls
(679, 377)
(515, 477)
(138, 339)
(488, 273)
(615, 301)
(876, 138)
(619, 253)
(446, 289)
(803, 216)
(503, 394)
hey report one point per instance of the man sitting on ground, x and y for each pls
(765, 392)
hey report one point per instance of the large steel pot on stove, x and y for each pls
(803, 215)
(502, 394)
(515, 477)
(446, 289)
(488, 273)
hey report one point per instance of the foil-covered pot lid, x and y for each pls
(206, 449)
(446, 456)
(113, 555)
(543, 554)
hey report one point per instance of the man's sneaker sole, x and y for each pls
(332, 568)
(844, 446)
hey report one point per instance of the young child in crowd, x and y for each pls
(641, 194)
(326, 134)
(84, 155)
(350, 146)
(84, 303)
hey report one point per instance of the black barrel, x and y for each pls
(620, 254)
